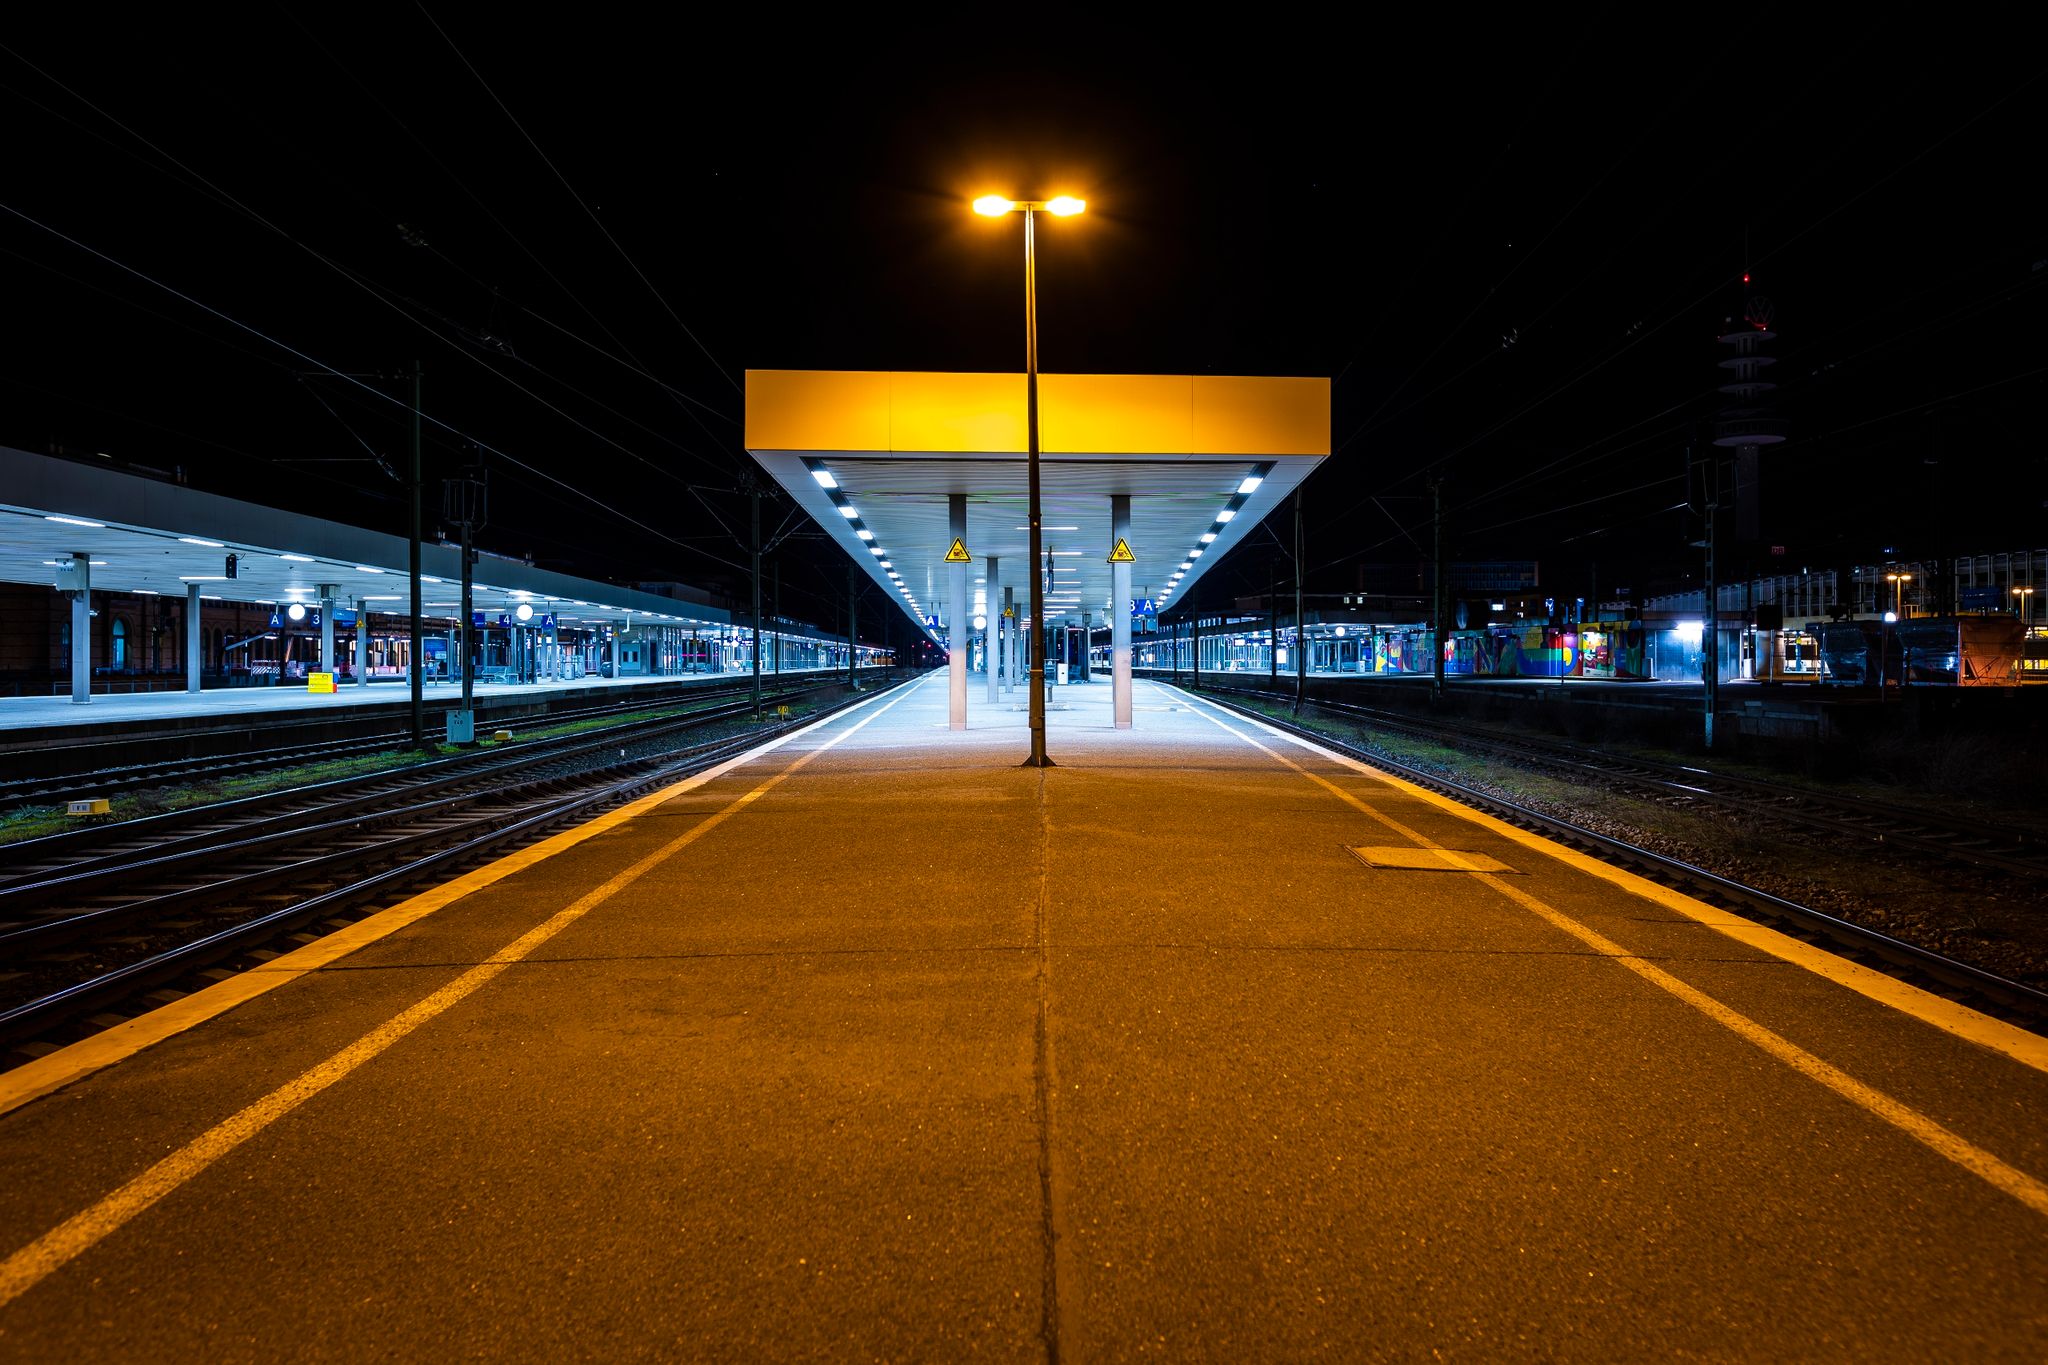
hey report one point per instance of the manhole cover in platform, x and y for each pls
(1428, 860)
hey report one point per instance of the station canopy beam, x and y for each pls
(876, 457)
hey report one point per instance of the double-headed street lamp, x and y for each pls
(995, 206)
(2026, 596)
(1899, 581)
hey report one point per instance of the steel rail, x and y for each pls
(37, 1017)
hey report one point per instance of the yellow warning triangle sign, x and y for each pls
(1121, 553)
(958, 554)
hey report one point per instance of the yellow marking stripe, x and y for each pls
(2009, 1179)
(54, 1249)
(66, 1065)
(2028, 1049)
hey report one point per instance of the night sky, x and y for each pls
(1512, 245)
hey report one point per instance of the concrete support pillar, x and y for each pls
(326, 633)
(1120, 615)
(992, 637)
(81, 631)
(362, 642)
(193, 649)
(959, 626)
(1086, 662)
(1010, 624)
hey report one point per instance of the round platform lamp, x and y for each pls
(1066, 206)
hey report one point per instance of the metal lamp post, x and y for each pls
(995, 206)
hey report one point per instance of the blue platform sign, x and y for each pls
(547, 622)
(276, 620)
(1144, 615)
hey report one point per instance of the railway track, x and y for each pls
(85, 943)
(2017, 852)
(1943, 975)
(83, 849)
(59, 788)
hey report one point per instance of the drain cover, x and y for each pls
(1428, 860)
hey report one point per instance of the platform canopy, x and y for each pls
(160, 538)
(884, 452)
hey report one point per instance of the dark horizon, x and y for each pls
(1511, 260)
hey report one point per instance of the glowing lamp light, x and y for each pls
(297, 611)
(864, 533)
(1066, 206)
(848, 510)
(1250, 484)
(1891, 618)
(1208, 537)
(523, 611)
(993, 206)
(824, 478)
(981, 623)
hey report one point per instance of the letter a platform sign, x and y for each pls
(958, 554)
(1120, 553)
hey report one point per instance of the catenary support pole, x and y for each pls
(362, 642)
(959, 627)
(755, 488)
(416, 647)
(1436, 595)
(1120, 616)
(1273, 632)
(1300, 616)
(193, 615)
(852, 628)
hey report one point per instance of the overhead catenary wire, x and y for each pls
(580, 202)
(377, 291)
(633, 363)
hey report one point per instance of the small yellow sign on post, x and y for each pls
(1120, 553)
(319, 682)
(958, 554)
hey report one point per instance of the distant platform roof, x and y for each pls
(149, 536)
(1198, 455)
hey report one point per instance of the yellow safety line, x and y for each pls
(2025, 1047)
(2008, 1179)
(54, 1249)
(35, 1079)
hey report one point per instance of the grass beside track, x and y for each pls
(32, 822)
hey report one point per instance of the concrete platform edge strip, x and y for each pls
(1951, 1017)
(45, 1075)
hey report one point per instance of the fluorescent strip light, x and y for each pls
(195, 540)
(848, 510)
(298, 559)
(1226, 514)
(824, 478)
(78, 521)
(1250, 484)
